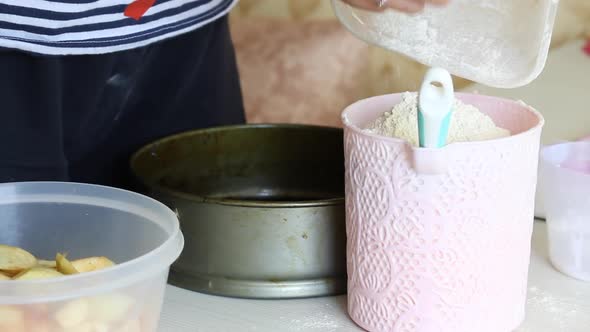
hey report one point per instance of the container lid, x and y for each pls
(500, 43)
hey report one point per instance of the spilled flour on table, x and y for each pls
(467, 123)
(557, 312)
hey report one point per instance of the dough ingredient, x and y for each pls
(467, 123)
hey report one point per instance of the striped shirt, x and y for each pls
(61, 27)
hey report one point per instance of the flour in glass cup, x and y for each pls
(467, 123)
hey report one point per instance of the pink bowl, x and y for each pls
(439, 239)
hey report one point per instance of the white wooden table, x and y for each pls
(556, 303)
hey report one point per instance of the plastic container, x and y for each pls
(439, 239)
(498, 43)
(565, 176)
(141, 235)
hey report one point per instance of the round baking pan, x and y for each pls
(261, 208)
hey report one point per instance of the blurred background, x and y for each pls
(299, 65)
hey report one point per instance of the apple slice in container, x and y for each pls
(92, 264)
(12, 319)
(63, 265)
(13, 260)
(38, 273)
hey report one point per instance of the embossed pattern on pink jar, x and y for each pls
(439, 240)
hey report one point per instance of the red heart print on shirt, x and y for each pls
(137, 8)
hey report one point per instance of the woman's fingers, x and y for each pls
(408, 6)
(366, 4)
(438, 2)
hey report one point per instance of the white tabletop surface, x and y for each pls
(555, 303)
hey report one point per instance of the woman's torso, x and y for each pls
(100, 26)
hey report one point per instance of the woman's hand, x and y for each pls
(408, 6)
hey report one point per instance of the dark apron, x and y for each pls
(79, 118)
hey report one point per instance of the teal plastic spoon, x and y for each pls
(435, 106)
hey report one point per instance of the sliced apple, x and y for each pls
(63, 265)
(110, 308)
(12, 319)
(38, 313)
(101, 327)
(40, 326)
(10, 315)
(10, 274)
(20, 327)
(132, 325)
(92, 264)
(83, 327)
(13, 259)
(37, 273)
(45, 263)
(72, 313)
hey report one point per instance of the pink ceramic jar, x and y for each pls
(439, 239)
